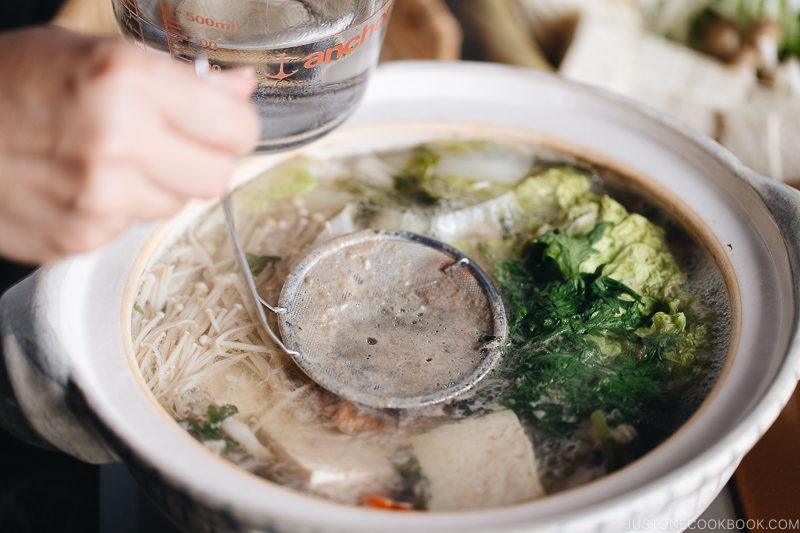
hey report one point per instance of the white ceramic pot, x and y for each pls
(71, 381)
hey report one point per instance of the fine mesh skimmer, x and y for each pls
(385, 318)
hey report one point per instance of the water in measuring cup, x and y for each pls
(312, 57)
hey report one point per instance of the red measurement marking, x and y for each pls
(132, 18)
(210, 22)
(211, 45)
(172, 30)
(281, 75)
(338, 51)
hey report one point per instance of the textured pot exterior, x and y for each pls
(73, 348)
(37, 392)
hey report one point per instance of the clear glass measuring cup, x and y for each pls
(312, 57)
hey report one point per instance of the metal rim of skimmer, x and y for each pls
(490, 350)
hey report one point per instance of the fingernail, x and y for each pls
(240, 81)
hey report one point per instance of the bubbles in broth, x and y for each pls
(618, 327)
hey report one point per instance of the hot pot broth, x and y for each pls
(618, 325)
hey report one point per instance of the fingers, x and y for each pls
(240, 82)
(36, 174)
(115, 136)
(76, 213)
(39, 228)
(25, 219)
(123, 188)
(84, 233)
(214, 111)
(121, 131)
(186, 169)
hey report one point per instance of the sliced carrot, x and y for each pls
(379, 502)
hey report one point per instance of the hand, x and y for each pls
(95, 135)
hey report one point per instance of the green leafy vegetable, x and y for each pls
(550, 297)
(582, 341)
(138, 308)
(569, 252)
(790, 22)
(209, 428)
(420, 170)
(258, 263)
(289, 180)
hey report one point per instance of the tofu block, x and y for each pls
(765, 136)
(612, 50)
(603, 48)
(329, 463)
(477, 463)
(341, 224)
(666, 67)
(699, 117)
(787, 78)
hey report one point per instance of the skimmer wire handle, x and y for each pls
(202, 68)
(244, 267)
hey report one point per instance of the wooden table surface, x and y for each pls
(768, 480)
